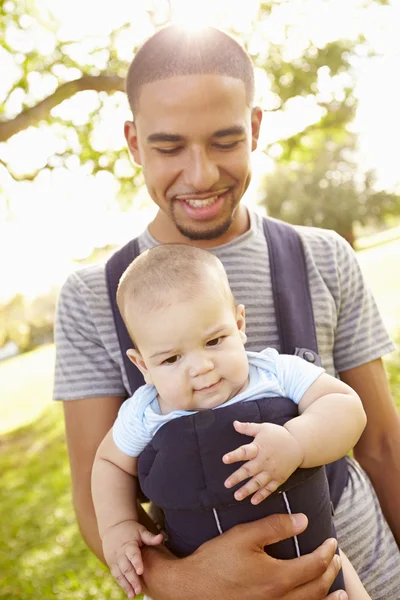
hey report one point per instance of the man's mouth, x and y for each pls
(200, 200)
(202, 203)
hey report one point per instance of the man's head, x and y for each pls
(174, 51)
(194, 130)
(189, 335)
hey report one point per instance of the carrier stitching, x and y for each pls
(217, 522)
(296, 541)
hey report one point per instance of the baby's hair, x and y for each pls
(173, 51)
(166, 274)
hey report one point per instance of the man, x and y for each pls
(193, 131)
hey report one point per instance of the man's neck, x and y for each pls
(164, 231)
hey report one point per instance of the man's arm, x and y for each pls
(87, 421)
(234, 566)
(378, 450)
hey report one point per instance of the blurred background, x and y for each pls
(69, 194)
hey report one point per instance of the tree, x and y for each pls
(42, 81)
(328, 191)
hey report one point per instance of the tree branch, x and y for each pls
(32, 176)
(31, 116)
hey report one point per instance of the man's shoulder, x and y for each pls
(316, 236)
(85, 280)
(324, 244)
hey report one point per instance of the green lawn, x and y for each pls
(41, 554)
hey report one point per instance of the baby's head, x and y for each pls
(188, 333)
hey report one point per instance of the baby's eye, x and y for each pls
(215, 341)
(171, 360)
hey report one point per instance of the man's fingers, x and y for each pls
(271, 529)
(339, 595)
(319, 567)
(318, 588)
(245, 452)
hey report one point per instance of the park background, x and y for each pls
(326, 77)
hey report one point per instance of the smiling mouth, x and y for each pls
(209, 387)
(201, 200)
(201, 203)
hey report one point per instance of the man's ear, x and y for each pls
(131, 137)
(256, 118)
(241, 321)
(137, 359)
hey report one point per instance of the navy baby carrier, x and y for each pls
(181, 469)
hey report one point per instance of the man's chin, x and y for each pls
(210, 232)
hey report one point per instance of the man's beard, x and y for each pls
(210, 234)
(206, 234)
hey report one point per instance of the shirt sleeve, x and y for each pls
(129, 432)
(360, 333)
(84, 366)
(295, 375)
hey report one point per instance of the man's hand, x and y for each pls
(271, 457)
(121, 547)
(234, 566)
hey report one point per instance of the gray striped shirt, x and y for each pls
(350, 331)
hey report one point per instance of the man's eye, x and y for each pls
(167, 150)
(171, 360)
(215, 341)
(227, 146)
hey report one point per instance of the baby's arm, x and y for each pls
(354, 588)
(331, 421)
(114, 491)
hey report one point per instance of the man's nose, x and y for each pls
(200, 365)
(201, 172)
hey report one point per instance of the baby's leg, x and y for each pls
(354, 588)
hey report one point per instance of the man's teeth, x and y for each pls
(201, 203)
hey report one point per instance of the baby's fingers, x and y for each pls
(248, 469)
(260, 481)
(245, 452)
(134, 557)
(151, 539)
(126, 577)
(264, 492)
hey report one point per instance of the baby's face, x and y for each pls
(193, 352)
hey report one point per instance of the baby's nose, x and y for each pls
(200, 365)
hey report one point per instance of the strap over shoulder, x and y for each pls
(115, 267)
(291, 292)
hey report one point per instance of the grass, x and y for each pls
(42, 555)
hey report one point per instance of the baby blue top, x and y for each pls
(270, 374)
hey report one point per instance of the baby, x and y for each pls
(189, 338)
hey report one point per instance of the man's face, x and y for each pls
(193, 136)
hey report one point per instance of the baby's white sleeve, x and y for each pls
(129, 432)
(295, 375)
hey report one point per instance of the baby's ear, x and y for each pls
(241, 322)
(137, 359)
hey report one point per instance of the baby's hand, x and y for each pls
(121, 548)
(271, 457)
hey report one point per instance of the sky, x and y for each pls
(63, 215)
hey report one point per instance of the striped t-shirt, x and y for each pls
(350, 333)
(349, 328)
